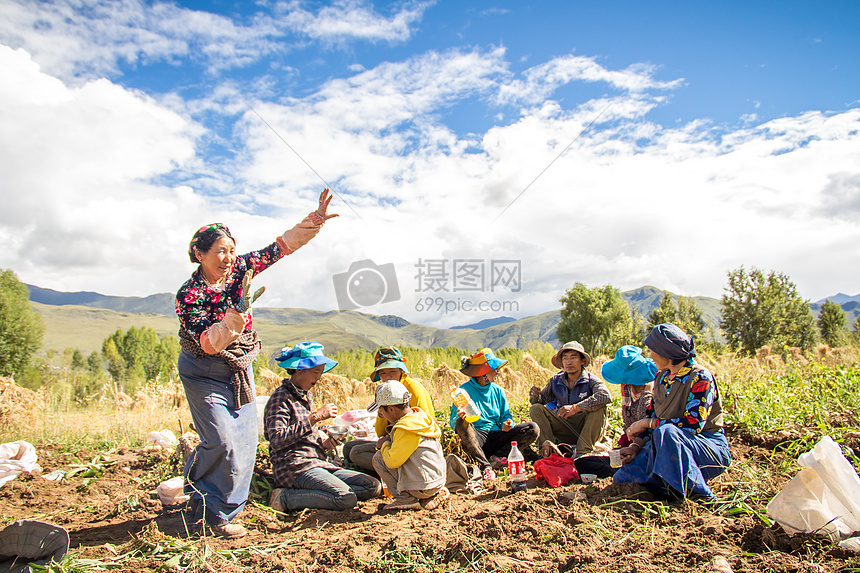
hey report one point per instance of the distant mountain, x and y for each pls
(84, 319)
(85, 328)
(486, 323)
(162, 303)
(840, 299)
(646, 299)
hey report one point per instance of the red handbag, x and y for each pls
(556, 470)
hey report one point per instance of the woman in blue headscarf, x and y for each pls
(681, 443)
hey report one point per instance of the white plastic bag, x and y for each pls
(17, 457)
(360, 422)
(170, 492)
(823, 498)
(353, 416)
(165, 438)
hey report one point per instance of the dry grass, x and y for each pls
(114, 418)
(19, 407)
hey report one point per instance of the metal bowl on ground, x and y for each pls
(337, 432)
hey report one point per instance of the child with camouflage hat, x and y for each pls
(388, 364)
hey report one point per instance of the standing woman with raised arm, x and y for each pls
(219, 345)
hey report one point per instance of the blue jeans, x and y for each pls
(218, 472)
(320, 488)
(679, 459)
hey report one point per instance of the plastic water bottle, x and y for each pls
(517, 469)
(462, 400)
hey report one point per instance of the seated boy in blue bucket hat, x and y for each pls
(635, 374)
(304, 477)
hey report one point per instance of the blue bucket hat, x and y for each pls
(629, 367)
(387, 357)
(303, 356)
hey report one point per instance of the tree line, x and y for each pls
(757, 309)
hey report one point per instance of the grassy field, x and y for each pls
(780, 407)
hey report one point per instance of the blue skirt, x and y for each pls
(680, 459)
(218, 473)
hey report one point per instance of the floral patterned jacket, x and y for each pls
(199, 306)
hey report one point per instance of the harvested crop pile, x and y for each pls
(18, 406)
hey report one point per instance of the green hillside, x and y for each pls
(85, 327)
(647, 298)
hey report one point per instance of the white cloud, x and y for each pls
(631, 202)
(92, 38)
(352, 19)
(542, 80)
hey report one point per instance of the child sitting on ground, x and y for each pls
(410, 459)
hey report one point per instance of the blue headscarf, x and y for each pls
(671, 342)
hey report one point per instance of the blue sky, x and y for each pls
(724, 134)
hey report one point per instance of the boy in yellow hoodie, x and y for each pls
(410, 461)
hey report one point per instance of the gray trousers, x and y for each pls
(360, 453)
(583, 429)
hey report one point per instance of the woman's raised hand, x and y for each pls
(322, 210)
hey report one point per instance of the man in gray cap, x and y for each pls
(571, 408)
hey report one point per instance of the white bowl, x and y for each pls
(587, 478)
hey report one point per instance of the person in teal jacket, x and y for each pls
(492, 434)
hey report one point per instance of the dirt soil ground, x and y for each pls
(118, 518)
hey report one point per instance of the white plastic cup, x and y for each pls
(615, 458)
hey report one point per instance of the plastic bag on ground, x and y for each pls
(556, 470)
(462, 477)
(823, 498)
(15, 458)
(165, 438)
(170, 492)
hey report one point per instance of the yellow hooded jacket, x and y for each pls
(420, 399)
(406, 435)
